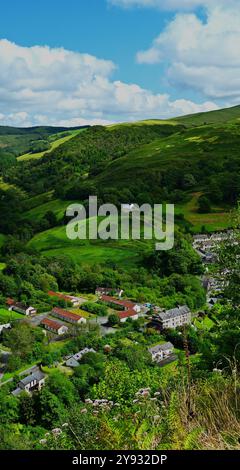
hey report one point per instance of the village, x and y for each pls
(60, 323)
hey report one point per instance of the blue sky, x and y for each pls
(149, 58)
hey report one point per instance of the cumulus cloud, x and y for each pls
(43, 85)
(176, 5)
(203, 55)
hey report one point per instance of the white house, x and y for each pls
(128, 207)
(123, 316)
(6, 325)
(173, 318)
(74, 360)
(54, 326)
(161, 351)
(20, 307)
(33, 382)
(67, 316)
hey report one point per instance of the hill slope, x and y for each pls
(17, 141)
(210, 117)
(152, 161)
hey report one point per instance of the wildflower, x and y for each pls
(56, 431)
(43, 442)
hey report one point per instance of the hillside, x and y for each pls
(211, 117)
(16, 141)
(151, 161)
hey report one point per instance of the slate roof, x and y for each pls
(174, 312)
(161, 347)
(38, 375)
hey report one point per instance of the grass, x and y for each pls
(148, 122)
(56, 143)
(56, 206)
(81, 312)
(204, 323)
(54, 242)
(218, 219)
(212, 117)
(10, 375)
(7, 316)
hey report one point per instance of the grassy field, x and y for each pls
(204, 323)
(56, 143)
(148, 122)
(6, 315)
(54, 242)
(126, 253)
(81, 312)
(212, 117)
(56, 206)
(218, 219)
(10, 375)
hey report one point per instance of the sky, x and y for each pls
(101, 61)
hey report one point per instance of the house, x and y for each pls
(173, 318)
(161, 351)
(73, 361)
(108, 291)
(31, 383)
(75, 301)
(20, 307)
(67, 316)
(128, 207)
(54, 326)
(123, 316)
(120, 304)
(5, 326)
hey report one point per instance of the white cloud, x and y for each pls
(176, 5)
(201, 55)
(40, 85)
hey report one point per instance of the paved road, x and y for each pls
(36, 320)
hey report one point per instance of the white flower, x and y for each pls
(43, 441)
(57, 431)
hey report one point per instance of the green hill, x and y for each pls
(154, 161)
(211, 117)
(16, 141)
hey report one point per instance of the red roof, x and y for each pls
(51, 323)
(66, 314)
(58, 294)
(127, 314)
(127, 304)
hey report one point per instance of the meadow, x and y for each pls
(6, 315)
(55, 144)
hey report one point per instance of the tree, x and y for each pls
(182, 259)
(49, 408)
(113, 319)
(27, 411)
(60, 385)
(21, 339)
(204, 205)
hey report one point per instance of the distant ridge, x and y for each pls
(210, 117)
(9, 130)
